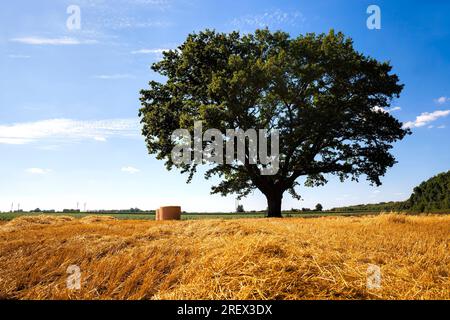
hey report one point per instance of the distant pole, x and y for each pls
(18, 207)
(12, 206)
(85, 207)
(77, 205)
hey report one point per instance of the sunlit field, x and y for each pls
(295, 258)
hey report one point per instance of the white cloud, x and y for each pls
(157, 53)
(117, 76)
(67, 130)
(52, 41)
(38, 171)
(425, 118)
(269, 19)
(441, 100)
(131, 170)
(379, 109)
(395, 109)
(441, 127)
(149, 51)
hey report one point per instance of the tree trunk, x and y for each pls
(274, 205)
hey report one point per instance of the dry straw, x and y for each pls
(323, 258)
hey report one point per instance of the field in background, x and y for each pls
(6, 216)
(322, 258)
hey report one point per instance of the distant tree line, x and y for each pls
(375, 207)
(432, 195)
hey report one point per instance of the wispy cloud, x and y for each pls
(38, 171)
(149, 51)
(159, 3)
(125, 14)
(117, 76)
(394, 109)
(379, 109)
(274, 18)
(442, 100)
(426, 118)
(132, 23)
(64, 41)
(102, 3)
(67, 130)
(18, 56)
(156, 53)
(131, 170)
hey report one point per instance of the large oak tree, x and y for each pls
(327, 101)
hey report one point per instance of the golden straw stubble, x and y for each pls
(292, 258)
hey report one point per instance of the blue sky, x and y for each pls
(69, 98)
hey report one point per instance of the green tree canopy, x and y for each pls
(325, 99)
(430, 195)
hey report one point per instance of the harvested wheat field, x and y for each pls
(321, 258)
